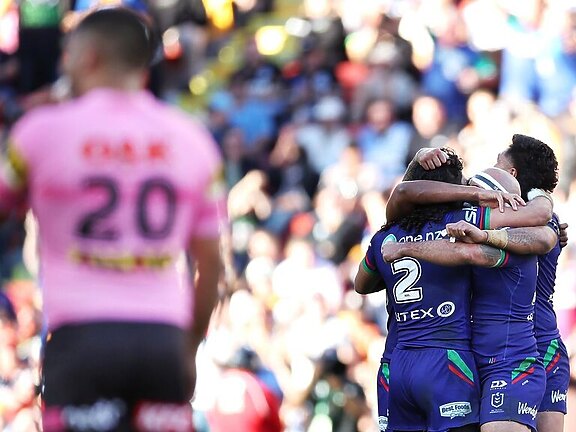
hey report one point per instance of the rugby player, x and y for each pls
(123, 187)
(538, 213)
(534, 165)
(512, 375)
(434, 383)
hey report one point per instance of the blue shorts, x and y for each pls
(557, 365)
(383, 392)
(433, 389)
(512, 390)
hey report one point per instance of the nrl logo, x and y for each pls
(497, 399)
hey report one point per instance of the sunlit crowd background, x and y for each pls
(317, 107)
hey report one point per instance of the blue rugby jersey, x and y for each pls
(431, 303)
(503, 309)
(545, 324)
(392, 336)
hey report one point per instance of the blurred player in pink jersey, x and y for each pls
(125, 190)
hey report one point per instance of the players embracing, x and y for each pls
(523, 368)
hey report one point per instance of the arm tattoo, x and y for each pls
(491, 255)
(521, 237)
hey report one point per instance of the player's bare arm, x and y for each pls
(408, 194)
(563, 234)
(445, 253)
(206, 255)
(524, 241)
(367, 281)
(536, 212)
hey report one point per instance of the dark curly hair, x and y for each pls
(450, 172)
(535, 162)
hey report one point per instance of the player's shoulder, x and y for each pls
(44, 115)
(388, 235)
(38, 124)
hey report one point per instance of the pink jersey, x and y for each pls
(119, 183)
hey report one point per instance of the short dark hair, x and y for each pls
(123, 36)
(535, 162)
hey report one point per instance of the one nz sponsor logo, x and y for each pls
(455, 409)
(524, 408)
(558, 396)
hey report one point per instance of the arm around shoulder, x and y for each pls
(535, 213)
(531, 240)
(407, 194)
(445, 253)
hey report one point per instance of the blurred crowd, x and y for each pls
(317, 107)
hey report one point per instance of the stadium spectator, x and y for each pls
(252, 116)
(248, 398)
(386, 79)
(236, 162)
(309, 78)
(540, 46)
(432, 127)
(292, 181)
(451, 68)
(39, 41)
(385, 141)
(326, 136)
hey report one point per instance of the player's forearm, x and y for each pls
(408, 194)
(535, 213)
(445, 253)
(440, 252)
(205, 300)
(209, 265)
(530, 240)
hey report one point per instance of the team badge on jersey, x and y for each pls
(497, 399)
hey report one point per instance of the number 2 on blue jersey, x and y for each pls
(405, 290)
